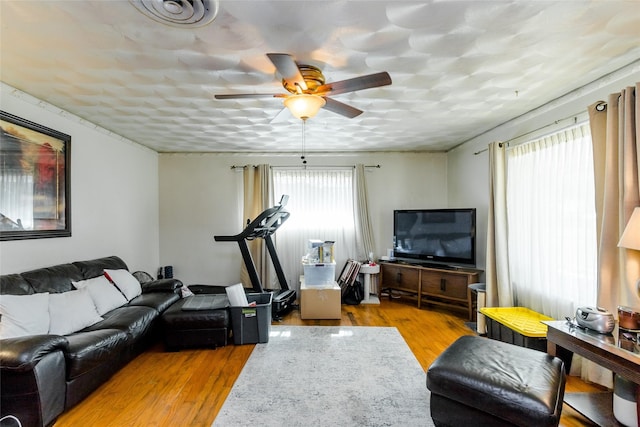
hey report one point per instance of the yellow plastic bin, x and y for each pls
(517, 325)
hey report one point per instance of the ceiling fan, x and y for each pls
(308, 91)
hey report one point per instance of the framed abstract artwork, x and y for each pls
(34, 180)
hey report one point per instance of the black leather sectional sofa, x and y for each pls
(43, 375)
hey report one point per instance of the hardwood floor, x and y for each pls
(188, 388)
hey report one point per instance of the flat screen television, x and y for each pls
(443, 236)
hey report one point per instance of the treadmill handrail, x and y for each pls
(265, 224)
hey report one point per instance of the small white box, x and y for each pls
(320, 251)
(319, 274)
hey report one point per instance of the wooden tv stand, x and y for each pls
(432, 285)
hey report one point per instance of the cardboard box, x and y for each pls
(320, 302)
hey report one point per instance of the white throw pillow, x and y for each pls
(71, 311)
(105, 296)
(23, 315)
(125, 281)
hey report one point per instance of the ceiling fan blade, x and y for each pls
(282, 116)
(248, 95)
(341, 108)
(356, 83)
(288, 69)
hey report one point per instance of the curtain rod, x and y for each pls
(600, 107)
(308, 166)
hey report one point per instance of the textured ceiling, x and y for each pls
(458, 68)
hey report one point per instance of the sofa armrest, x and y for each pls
(162, 285)
(23, 353)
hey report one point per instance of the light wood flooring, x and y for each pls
(188, 388)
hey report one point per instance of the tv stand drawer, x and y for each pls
(443, 284)
(400, 277)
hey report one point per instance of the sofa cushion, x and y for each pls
(135, 320)
(14, 284)
(71, 311)
(159, 301)
(125, 281)
(96, 267)
(89, 350)
(104, 294)
(57, 278)
(22, 315)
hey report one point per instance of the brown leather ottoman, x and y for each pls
(482, 382)
(194, 328)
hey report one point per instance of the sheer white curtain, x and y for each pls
(552, 225)
(322, 207)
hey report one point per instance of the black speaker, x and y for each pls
(168, 272)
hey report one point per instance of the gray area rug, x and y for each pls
(329, 376)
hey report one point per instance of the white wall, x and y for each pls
(200, 196)
(468, 173)
(114, 196)
(468, 187)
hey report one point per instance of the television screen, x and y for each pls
(440, 235)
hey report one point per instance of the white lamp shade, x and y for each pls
(631, 236)
(304, 106)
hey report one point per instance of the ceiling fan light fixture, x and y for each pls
(304, 106)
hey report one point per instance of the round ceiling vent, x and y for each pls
(179, 13)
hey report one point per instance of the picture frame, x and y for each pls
(35, 180)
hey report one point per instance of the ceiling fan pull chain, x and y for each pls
(302, 156)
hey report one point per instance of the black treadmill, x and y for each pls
(263, 227)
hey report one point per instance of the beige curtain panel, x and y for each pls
(615, 129)
(364, 229)
(257, 185)
(498, 282)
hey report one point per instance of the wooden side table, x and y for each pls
(605, 350)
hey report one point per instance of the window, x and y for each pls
(322, 207)
(552, 225)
